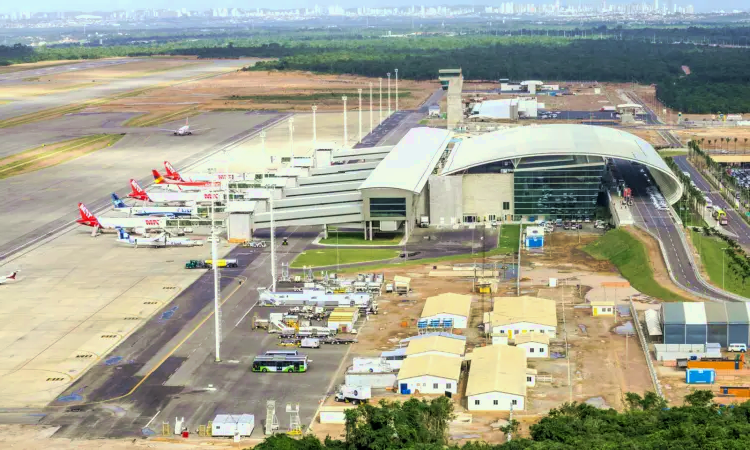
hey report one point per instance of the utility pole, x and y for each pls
(217, 286)
(346, 137)
(291, 139)
(396, 89)
(359, 110)
(380, 107)
(263, 141)
(389, 94)
(371, 108)
(315, 127)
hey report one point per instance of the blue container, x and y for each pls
(700, 376)
(534, 242)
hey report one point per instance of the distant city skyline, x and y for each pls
(200, 5)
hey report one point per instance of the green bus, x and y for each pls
(280, 363)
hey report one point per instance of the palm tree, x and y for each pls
(745, 144)
(735, 145)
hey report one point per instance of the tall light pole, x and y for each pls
(370, 107)
(263, 141)
(291, 139)
(273, 241)
(346, 137)
(359, 110)
(217, 287)
(389, 94)
(315, 127)
(396, 89)
(380, 102)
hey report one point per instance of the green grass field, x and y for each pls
(629, 255)
(668, 153)
(357, 238)
(508, 241)
(710, 250)
(327, 256)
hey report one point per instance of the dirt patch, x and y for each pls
(53, 154)
(715, 136)
(661, 275)
(279, 87)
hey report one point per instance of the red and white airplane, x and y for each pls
(172, 174)
(164, 181)
(11, 277)
(138, 193)
(110, 223)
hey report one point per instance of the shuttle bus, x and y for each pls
(280, 363)
(720, 216)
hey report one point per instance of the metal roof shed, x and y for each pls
(716, 323)
(696, 328)
(673, 319)
(738, 323)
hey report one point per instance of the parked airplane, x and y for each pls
(166, 211)
(138, 193)
(162, 240)
(106, 223)
(160, 180)
(172, 174)
(184, 130)
(11, 277)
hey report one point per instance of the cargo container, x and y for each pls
(718, 363)
(735, 391)
(700, 376)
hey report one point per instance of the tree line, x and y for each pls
(647, 423)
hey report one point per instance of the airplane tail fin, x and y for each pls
(137, 191)
(12, 276)
(158, 179)
(171, 173)
(86, 217)
(117, 202)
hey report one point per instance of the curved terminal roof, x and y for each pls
(411, 162)
(528, 82)
(550, 140)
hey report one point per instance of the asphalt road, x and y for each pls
(53, 100)
(662, 225)
(35, 207)
(177, 353)
(735, 224)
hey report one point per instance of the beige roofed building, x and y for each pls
(436, 345)
(448, 306)
(497, 379)
(429, 374)
(535, 344)
(516, 315)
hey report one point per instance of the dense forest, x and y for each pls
(718, 81)
(646, 424)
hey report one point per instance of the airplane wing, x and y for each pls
(164, 129)
(199, 129)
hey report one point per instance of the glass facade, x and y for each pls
(567, 192)
(388, 207)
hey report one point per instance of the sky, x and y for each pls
(92, 5)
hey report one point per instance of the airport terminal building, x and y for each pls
(516, 174)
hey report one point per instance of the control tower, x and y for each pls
(452, 80)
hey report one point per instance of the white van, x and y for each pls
(742, 348)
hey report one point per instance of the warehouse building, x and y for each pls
(513, 316)
(497, 379)
(535, 344)
(343, 319)
(430, 374)
(703, 323)
(436, 345)
(454, 307)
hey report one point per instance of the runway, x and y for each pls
(62, 68)
(74, 97)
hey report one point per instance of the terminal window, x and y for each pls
(388, 207)
(506, 206)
